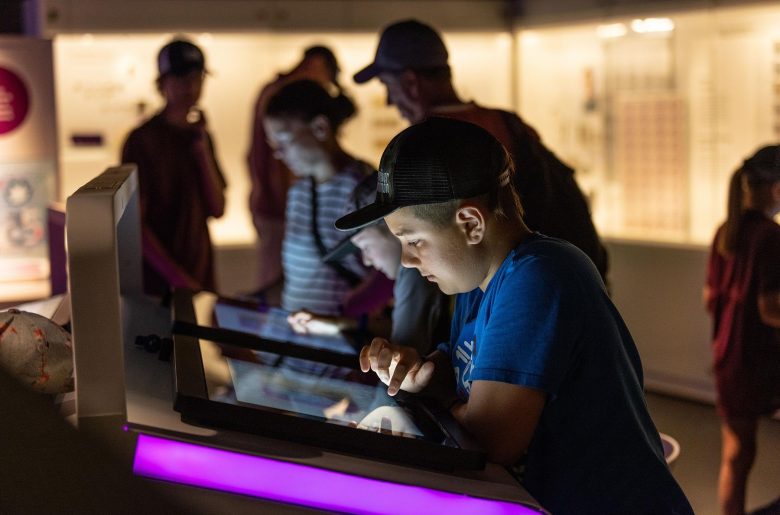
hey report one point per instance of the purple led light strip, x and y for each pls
(293, 483)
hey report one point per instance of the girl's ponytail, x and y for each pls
(727, 238)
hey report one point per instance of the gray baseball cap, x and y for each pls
(406, 44)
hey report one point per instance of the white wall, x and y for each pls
(658, 290)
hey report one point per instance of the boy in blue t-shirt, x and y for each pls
(544, 373)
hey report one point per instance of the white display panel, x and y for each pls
(105, 87)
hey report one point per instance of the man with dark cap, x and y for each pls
(412, 62)
(181, 185)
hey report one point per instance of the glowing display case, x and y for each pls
(655, 113)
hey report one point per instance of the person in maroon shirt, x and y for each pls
(742, 293)
(180, 183)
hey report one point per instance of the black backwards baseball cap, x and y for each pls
(405, 44)
(438, 160)
(180, 57)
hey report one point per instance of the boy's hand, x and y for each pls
(304, 322)
(398, 366)
(388, 420)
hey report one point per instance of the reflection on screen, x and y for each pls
(272, 325)
(336, 399)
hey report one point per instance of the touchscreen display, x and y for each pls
(335, 399)
(331, 394)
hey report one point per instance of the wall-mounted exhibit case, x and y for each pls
(656, 113)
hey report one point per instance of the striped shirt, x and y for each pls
(308, 282)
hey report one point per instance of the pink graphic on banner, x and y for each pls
(14, 101)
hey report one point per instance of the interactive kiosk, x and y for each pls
(243, 409)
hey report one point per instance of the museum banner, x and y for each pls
(28, 164)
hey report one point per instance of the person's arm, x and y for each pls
(212, 181)
(708, 299)
(769, 309)
(502, 417)
(709, 292)
(528, 333)
(769, 279)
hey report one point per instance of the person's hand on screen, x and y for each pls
(389, 420)
(304, 322)
(398, 366)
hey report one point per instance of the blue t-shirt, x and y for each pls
(546, 322)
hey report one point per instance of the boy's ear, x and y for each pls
(320, 127)
(471, 222)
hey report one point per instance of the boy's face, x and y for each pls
(379, 249)
(182, 90)
(442, 254)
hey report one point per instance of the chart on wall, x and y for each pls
(648, 124)
(650, 163)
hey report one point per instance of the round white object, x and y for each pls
(36, 351)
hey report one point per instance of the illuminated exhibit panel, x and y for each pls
(108, 87)
(656, 113)
(207, 467)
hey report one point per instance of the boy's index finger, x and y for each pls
(399, 374)
(365, 363)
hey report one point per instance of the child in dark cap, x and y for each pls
(547, 378)
(181, 185)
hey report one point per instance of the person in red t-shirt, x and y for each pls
(180, 182)
(742, 293)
